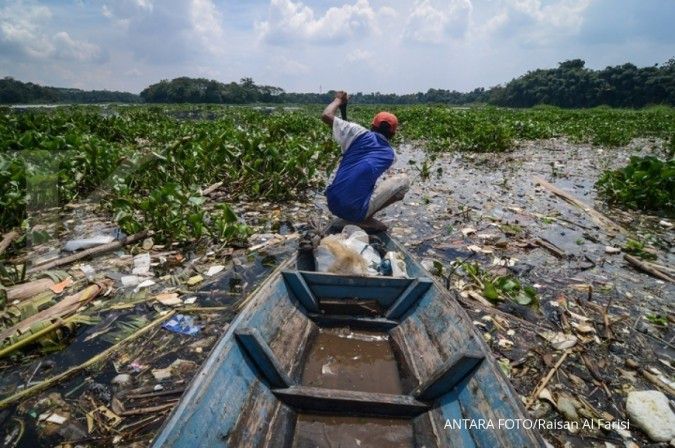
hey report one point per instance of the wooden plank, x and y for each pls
(262, 356)
(408, 298)
(316, 399)
(298, 287)
(453, 370)
(257, 420)
(432, 334)
(204, 417)
(330, 286)
(291, 342)
(351, 307)
(481, 397)
(457, 434)
(361, 323)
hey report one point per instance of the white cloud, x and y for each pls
(65, 47)
(290, 21)
(206, 23)
(534, 23)
(170, 31)
(359, 55)
(286, 66)
(429, 24)
(23, 33)
(566, 14)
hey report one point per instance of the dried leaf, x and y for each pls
(560, 341)
(169, 299)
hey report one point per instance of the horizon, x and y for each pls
(306, 46)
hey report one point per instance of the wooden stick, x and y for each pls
(542, 384)
(90, 362)
(7, 240)
(656, 381)
(205, 309)
(649, 269)
(141, 411)
(605, 319)
(208, 190)
(87, 253)
(597, 217)
(555, 250)
(162, 393)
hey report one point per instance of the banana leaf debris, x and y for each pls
(97, 345)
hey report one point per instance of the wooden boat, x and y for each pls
(323, 360)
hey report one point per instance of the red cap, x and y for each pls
(387, 117)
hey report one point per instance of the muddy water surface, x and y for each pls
(352, 360)
(313, 431)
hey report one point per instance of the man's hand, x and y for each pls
(342, 96)
(339, 102)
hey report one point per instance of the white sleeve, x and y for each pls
(345, 132)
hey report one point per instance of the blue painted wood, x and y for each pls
(254, 345)
(408, 298)
(488, 395)
(448, 375)
(225, 383)
(298, 287)
(226, 398)
(451, 412)
(361, 323)
(318, 399)
(330, 286)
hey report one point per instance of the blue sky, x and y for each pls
(306, 45)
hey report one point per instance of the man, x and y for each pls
(366, 155)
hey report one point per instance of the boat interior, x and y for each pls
(325, 360)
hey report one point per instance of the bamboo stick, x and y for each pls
(595, 215)
(90, 362)
(65, 307)
(552, 248)
(542, 384)
(28, 290)
(150, 410)
(648, 268)
(205, 309)
(7, 240)
(33, 337)
(87, 253)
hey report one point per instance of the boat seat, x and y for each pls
(395, 296)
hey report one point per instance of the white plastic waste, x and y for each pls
(74, 245)
(357, 239)
(398, 268)
(348, 253)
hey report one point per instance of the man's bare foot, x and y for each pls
(373, 225)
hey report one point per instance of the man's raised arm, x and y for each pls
(329, 112)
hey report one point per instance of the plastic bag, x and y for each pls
(357, 239)
(398, 268)
(347, 253)
(335, 257)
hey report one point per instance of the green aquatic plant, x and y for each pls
(645, 183)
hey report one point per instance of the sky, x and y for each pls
(398, 46)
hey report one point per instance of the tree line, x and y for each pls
(17, 92)
(570, 85)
